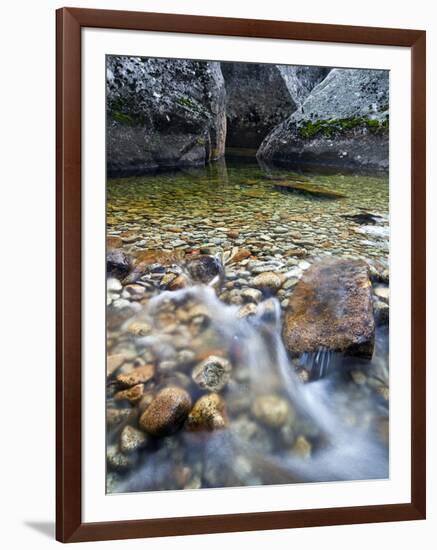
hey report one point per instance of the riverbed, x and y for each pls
(266, 416)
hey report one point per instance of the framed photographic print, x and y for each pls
(240, 274)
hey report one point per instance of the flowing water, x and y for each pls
(315, 417)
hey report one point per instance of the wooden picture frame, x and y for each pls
(69, 525)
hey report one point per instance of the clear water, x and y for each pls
(337, 424)
(241, 196)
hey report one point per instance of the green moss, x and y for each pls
(186, 102)
(122, 118)
(329, 128)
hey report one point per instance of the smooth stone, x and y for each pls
(117, 460)
(204, 268)
(167, 412)
(113, 285)
(139, 328)
(132, 440)
(133, 291)
(272, 410)
(267, 281)
(180, 282)
(290, 283)
(132, 394)
(139, 375)
(382, 292)
(208, 414)
(251, 295)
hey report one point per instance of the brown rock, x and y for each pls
(129, 236)
(208, 413)
(139, 375)
(144, 259)
(114, 362)
(139, 328)
(310, 189)
(166, 412)
(114, 242)
(162, 257)
(181, 281)
(331, 309)
(267, 281)
(133, 394)
(242, 254)
(296, 252)
(145, 401)
(167, 279)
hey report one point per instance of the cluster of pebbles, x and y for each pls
(175, 375)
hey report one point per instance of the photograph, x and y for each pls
(247, 274)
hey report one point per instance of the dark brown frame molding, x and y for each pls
(69, 526)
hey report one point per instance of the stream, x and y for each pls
(234, 406)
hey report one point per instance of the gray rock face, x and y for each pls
(257, 99)
(342, 122)
(260, 96)
(163, 113)
(301, 80)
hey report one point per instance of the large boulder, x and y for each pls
(163, 113)
(343, 122)
(300, 80)
(260, 96)
(331, 309)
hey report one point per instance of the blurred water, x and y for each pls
(338, 418)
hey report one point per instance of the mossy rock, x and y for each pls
(310, 189)
(330, 128)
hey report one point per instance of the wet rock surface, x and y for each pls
(166, 412)
(213, 373)
(208, 413)
(331, 309)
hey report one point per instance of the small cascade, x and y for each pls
(279, 430)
